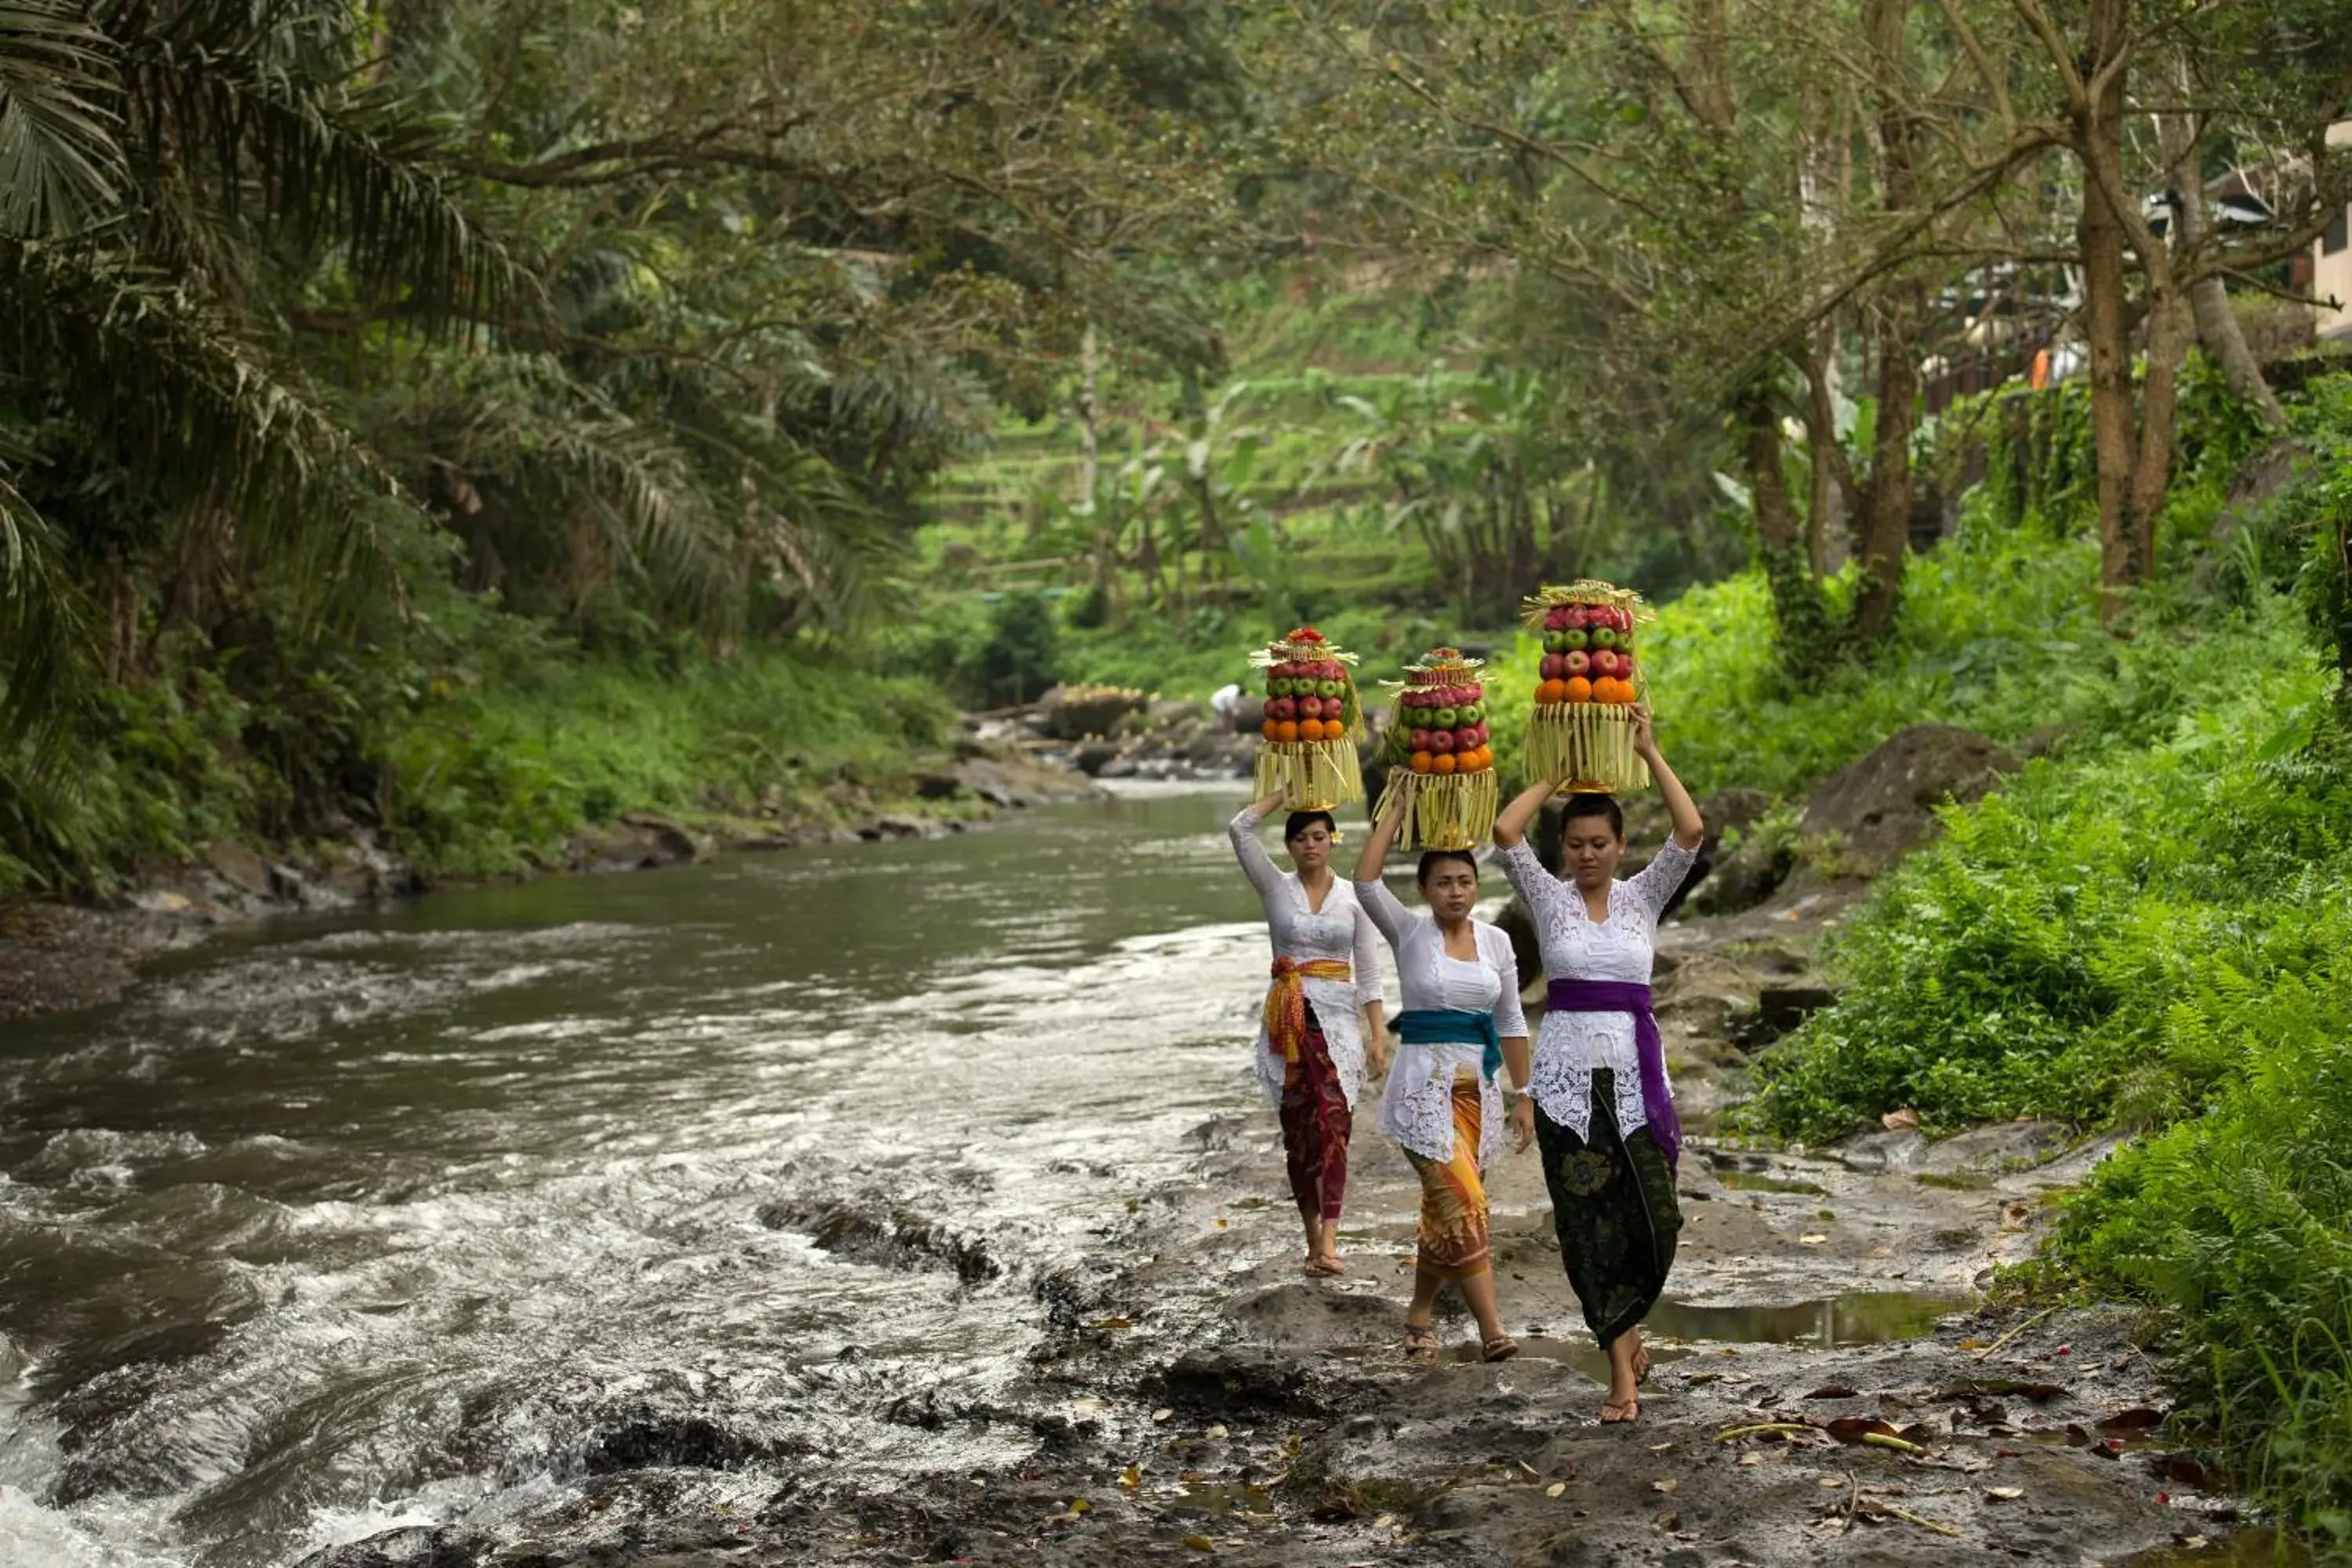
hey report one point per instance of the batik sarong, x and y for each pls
(1315, 1125)
(1613, 1205)
(1453, 1232)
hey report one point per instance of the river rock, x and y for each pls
(1882, 805)
(1237, 1381)
(239, 867)
(1751, 873)
(2001, 1147)
(636, 841)
(413, 1546)
(1094, 756)
(1079, 712)
(1902, 1150)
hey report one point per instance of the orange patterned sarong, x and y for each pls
(1453, 1231)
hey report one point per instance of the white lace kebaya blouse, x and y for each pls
(1339, 930)
(1417, 1106)
(1571, 1046)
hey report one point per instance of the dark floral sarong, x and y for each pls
(1316, 1122)
(1612, 1204)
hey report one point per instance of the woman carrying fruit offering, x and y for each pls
(1603, 1110)
(1462, 1024)
(1310, 1051)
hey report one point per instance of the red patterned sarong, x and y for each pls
(1315, 1125)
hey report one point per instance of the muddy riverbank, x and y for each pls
(1827, 1387)
(57, 956)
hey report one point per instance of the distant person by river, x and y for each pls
(1311, 1048)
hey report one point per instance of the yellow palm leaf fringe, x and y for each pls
(1586, 746)
(1310, 775)
(1442, 811)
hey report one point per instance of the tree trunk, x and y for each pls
(2168, 328)
(1799, 613)
(2209, 301)
(1089, 452)
(1886, 529)
(2098, 142)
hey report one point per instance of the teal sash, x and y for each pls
(1453, 1027)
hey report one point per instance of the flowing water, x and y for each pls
(335, 1225)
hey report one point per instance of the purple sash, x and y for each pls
(1624, 996)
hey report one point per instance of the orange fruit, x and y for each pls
(1550, 692)
(1578, 689)
(1485, 759)
(1324, 730)
(1270, 728)
(1287, 731)
(1621, 690)
(1310, 730)
(1423, 761)
(1445, 762)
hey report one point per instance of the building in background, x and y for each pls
(2331, 263)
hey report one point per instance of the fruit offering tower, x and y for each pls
(1441, 768)
(1312, 720)
(1581, 736)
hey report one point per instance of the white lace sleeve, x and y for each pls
(1388, 914)
(1510, 1017)
(1367, 961)
(1538, 887)
(1256, 864)
(1655, 882)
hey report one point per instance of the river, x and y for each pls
(335, 1225)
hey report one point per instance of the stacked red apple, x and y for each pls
(1587, 655)
(1305, 700)
(1445, 728)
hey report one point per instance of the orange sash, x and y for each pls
(1285, 1001)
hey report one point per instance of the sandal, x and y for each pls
(1420, 1342)
(1631, 1408)
(1502, 1347)
(1321, 1265)
(1641, 1366)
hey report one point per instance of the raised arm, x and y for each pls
(1367, 965)
(1689, 830)
(1538, 888)
(1387, 912)
(1511, 822)
(1256, 864)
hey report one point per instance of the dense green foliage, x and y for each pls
(2148, 929)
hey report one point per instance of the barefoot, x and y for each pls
(1326, 1263)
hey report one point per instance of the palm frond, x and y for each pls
(43, 644)
(253, 97)
(59, 163)
(201, 411)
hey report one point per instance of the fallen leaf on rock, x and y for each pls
(1810, 1240)
(1131, 1478)
(1385, 1520)
(1199, 1544)
(1162, 1414)
(1751, 1457)
(1833, 1391)
(2005, 1494)
(2179, 1467)
(1830, 1484)
(1530, 1471)
(1660, 1447)
(1555, 1489)
(1977, 1387)
(2140, 1418)
(1665, 1486)
(1080, 1505)
(1855, 1428)
(1219, 1432)
(1905, 1120)
(1670, 1521)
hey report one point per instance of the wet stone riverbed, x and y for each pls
(909, 1203)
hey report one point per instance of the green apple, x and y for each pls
(1330, 688)
(1473, 714)
(1574, 641)
(1444, 718)
(1603, 637)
